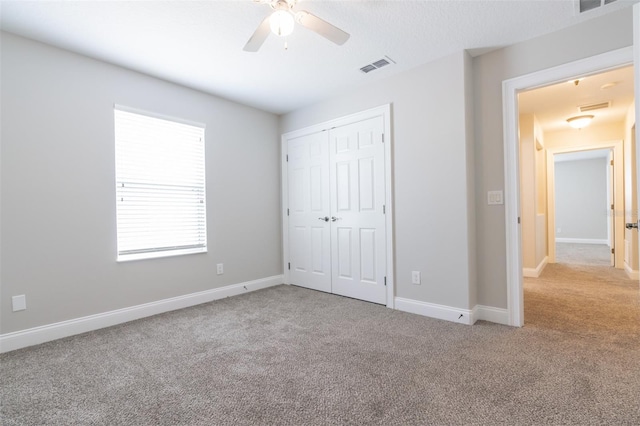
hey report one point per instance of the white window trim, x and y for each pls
(166, 251)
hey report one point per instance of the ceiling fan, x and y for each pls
(283, 19)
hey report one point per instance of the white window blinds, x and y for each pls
(160, 187)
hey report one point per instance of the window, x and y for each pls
(160, 186)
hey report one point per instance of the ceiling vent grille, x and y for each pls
(381, 63)
(377, 64)
(368, 68)
(586, 5)
(593, 107)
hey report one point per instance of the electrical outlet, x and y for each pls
(220, 268)
(415, 277)
(19, 303)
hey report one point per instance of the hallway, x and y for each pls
(583, 295)
(583, 254)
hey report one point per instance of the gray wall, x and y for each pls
(431, 126)
(58, 210)
(432, 145)
(58, 215)
(593, 37)
(581, 199)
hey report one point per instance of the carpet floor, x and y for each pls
(583, 254)
(291, 356)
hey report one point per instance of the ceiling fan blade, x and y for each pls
(258, 37)
(322, 27)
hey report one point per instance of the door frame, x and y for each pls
(385, 112)
(618, 196)
(510, 89)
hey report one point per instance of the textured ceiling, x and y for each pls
(554, 104)
(199, 43)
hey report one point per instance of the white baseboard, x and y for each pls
(631, 273)
(583, 241)
(432, 310)
(46, 333)
(535, 273)
(491, 314)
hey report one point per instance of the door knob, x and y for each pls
(632, 225)
(333, 218)
(326, 218)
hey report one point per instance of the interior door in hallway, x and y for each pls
(309, 238)
(358, 245)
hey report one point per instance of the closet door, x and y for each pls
(358, 243)
(309, 222)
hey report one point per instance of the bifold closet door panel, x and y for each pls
(358, 245)
(309, 210)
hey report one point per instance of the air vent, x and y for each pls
(368, 68)
(593, 107)
(586, 5)
(381, 63)
(377, 64)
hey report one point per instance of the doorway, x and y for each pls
(337, 220)
(585, 200)
(582, 207)
(603, 161)
(511, 89)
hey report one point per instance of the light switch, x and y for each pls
(495, 198)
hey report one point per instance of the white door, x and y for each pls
(309, 239)
(358, 245)
(336, 189)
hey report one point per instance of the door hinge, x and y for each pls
(289, 266)
(518, 220)
(287, 212)
(611, 162)
(384, 209)
(383, 138)
(613, 251)
(611, 206)
(287, 158)
(385, 280)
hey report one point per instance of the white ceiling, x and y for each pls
(553, 105)
(199, 43)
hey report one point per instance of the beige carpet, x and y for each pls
(598, 301)
(291, 356)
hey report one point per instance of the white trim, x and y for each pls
(616, 147)
(491, 314)
(284, 196)
(46, 333)
(443, 312)
(633, 274)
(159, 116)
(535, 273)
(636, 73)
(583, 241)
(385, 112)
(510, 89)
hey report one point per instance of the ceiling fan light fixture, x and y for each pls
(580, 121)
(281, 23)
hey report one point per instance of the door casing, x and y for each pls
(510, 89)
(385, 112)
(618, 196)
